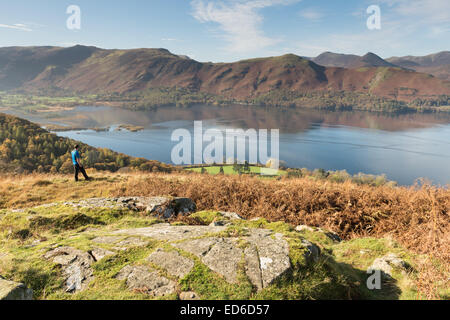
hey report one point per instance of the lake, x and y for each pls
(402, 146)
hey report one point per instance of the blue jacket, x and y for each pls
(75, 156)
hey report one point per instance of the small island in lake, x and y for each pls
(129, 127)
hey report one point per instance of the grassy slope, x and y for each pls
(416, 218)
(338, 275)
(26, 147)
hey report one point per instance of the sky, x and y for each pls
(230, 30)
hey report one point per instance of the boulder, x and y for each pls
(231, 215)
(189, 296)
(387, 263)
(100, 253)
(224, 258)
(312, 253)
(266, 256)
(10, 290)
(174, 263)
(167, 232)
(106, 239)
(163, 207)
(273, 253)
(145, 280)
(304, 228)
(332, 235)
(76, 266)
(132, 242)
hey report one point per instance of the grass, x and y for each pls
(338, 275)
(229, 170)
(415, 218)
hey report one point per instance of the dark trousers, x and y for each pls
(80, 169)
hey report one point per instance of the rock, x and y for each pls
(109, 203)
(106, 240)
(252, 267)
(224, 258)
(266, 258)
(304, 228)
(220, 223)
(132, 242)
(394, 260)
(144, 280)
(163, 207)
(313, 252)
(198, 247)
(332, 235)
(189, 296)
(231, 215)
(273, 254)
(14, 291)
(174, 263)
(76, 266)
(171, 233)
(386, 263)
(100, 253)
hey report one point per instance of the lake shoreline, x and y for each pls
(404, 146)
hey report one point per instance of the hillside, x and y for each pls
(25, 147)
(284, 80)
(437, 64)
(112, 239)
(350, 61)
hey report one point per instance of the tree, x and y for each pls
(246, 166)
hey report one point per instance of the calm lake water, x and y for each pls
(404, 147)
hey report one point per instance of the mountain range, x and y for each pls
(437, 64)
(85, 70)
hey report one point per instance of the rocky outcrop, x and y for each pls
(172, 262)
(261, 254)
(76, 266)
(387, 263)
(169, 259)
(265, 254)
(145, 280)
(162, 207)
(10, 290)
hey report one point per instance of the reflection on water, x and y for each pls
(287, 120)
(404, 146)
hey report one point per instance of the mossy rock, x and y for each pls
(239, 259)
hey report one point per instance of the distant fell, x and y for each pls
(91, 70)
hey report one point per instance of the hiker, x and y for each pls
(76, 159)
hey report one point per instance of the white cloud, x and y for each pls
(311, 14)
(17, 26)
(429, 11)
(239, 20)
(404, 25)
(432, 16)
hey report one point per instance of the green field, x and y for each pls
(229, 170)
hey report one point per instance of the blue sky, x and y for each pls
(229, 30)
